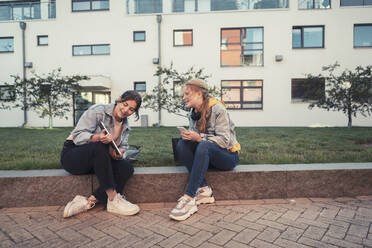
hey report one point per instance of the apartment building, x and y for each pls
(257, 51)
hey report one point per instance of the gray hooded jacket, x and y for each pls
(220, 128)
(88, 125)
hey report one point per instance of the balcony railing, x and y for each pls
(27, 10)
(171, 6)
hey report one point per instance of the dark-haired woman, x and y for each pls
(87, 150)
(210, 141)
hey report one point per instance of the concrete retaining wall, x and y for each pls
(167, 184)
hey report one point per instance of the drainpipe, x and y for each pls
(158, 20)
(23, 27)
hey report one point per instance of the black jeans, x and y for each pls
(95, 158)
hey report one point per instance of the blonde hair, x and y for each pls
(197, 85)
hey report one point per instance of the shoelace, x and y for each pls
(181, 202)
(123, 199)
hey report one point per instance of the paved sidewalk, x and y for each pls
(314, 222)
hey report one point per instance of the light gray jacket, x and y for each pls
(220, 128)
(88, 125)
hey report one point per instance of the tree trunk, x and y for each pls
(349, 124)
(50, 122)
(50, 115)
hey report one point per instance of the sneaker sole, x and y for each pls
(206, 200)
(187, 215)
(133, 212)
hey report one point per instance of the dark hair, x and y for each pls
(131, 95)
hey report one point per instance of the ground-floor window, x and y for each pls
(305, 90)
(242, 94)
(83, 100)
(6, 93)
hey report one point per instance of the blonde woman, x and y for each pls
(88, 150)
(210, 141)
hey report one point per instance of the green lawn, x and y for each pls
(40, 148)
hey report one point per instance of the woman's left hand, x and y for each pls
(114, 155)
(191, 135)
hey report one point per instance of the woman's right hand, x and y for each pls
(105, 138)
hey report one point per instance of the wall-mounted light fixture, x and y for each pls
(278, 58)
(28, 64)
(155, 61)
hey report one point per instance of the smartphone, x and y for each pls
(181, 129)
(112, 143)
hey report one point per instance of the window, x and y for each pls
(182, 37)
(242, 46)
(363, 35)
(90, 5)
(146, 6)
(26, 10)
(6, 44)
(217, 5)
(308, 37)
(304, 89)
(184, 5)
(355, 2)
(246, 94)
(139, 36)
(6, 93)
(81, 50)
(140, 87)
(42, 40)
(314, 4)
(177, 89)
(83, 100)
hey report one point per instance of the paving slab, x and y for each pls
(270, 223)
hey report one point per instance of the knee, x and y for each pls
(203, 146)
(100, 148)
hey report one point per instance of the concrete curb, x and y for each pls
(167, 184)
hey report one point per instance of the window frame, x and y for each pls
(12, 96)
(360, 24)
(139, 82)
(301, 100)
(91, 50)
(183, 30)
(242, 46)
(302, 36)
(138, 32)
(241, 90)
(42, 36)
(345, 6)
(298, 6)
(8, 37)
(93, 98)
(90, 5)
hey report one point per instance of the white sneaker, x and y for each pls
(184, 209)
(77, 205)
(204, 195)
(121, 206)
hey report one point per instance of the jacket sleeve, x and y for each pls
(85, 128)
(221, 135)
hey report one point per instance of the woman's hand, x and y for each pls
(105, 138)
(114, 155)
(191, 135)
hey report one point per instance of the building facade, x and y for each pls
(257, 51)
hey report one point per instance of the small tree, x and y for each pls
(49, 95)
(163, 96)
(349, 92)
